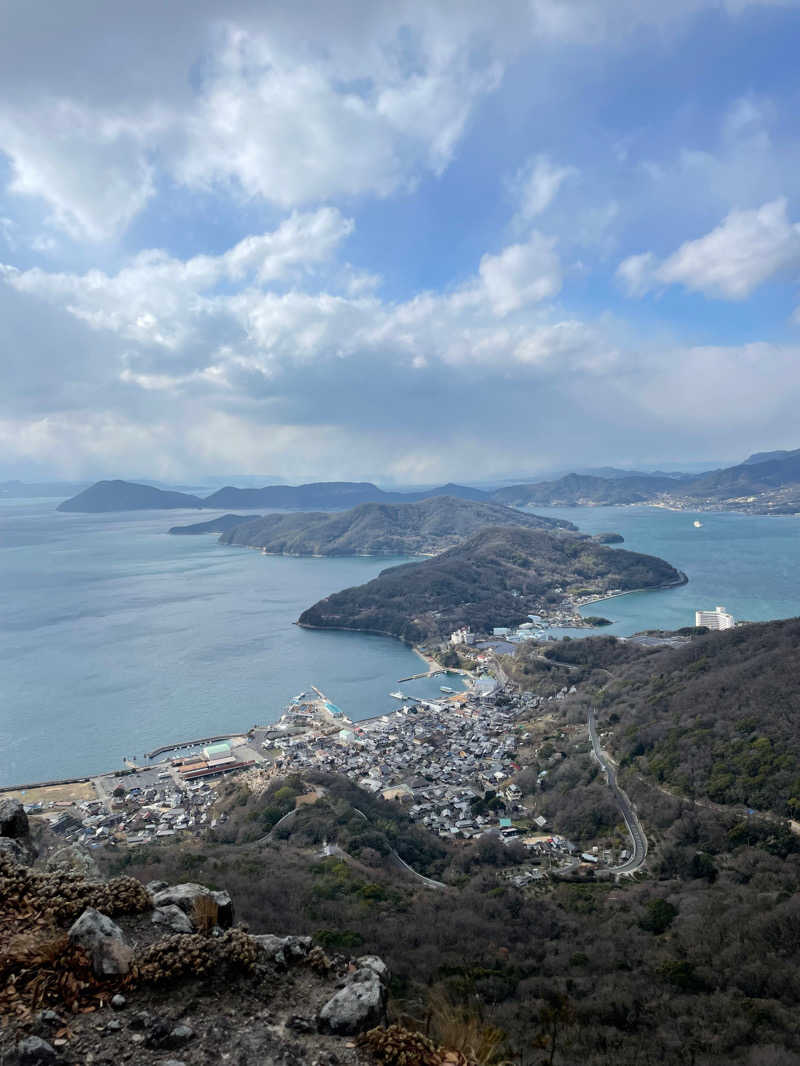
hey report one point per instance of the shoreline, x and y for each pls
(630, 592)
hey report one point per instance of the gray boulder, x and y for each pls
(33, 1051)
(376, 964)
(173, 918)
(156, 886)
(358, 1006)
(13, 820)
(103, 942)
(184, 896)
(280, 949)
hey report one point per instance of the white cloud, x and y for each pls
(538, 183)
(158, 299)
(295, 108)
(91, 167)
(744, 251)
(521, 274)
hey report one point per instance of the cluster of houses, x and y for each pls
(451, 761)
(139, 815)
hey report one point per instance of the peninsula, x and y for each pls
(497, 577)
(425, 528)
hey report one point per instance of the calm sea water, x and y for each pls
(749, 564)
(116, 638)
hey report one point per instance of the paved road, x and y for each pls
(637, 834)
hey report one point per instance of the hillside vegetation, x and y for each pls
(424, 528)
(719, 718)
(496, 578)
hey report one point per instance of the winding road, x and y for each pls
(634, 826)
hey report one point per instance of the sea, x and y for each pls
(116, 638)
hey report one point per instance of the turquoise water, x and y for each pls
(748, 563)
(116, 638)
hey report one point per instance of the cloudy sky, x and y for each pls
(401, 241)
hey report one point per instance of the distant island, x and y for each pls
(324, 495)
(765, 483)
(128, 496)
(425, 528)
(498, 577)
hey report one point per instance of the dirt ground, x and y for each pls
(77, 793)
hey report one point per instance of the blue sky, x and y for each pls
(407, 242)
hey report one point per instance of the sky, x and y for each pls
(405, 242)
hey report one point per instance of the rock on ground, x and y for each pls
(103, 941)
(184, 896)
(173, 918)
(280, 949)
(13, 820)
(33, 1051)
(356, 1007)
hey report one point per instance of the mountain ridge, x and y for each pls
(427, 527)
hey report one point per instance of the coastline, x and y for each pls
(630, 592)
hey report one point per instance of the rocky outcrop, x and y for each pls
(103, 942)
(282, 949)
(15, 832)
(189, 997)
(187, 897)
(13, 820)
(359, 1005)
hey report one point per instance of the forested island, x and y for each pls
(496, 578)
(425, 528)
(118, 495)
(324, 495)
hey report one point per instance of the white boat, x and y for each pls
(697, 525)
(397, 695)
(444, 688)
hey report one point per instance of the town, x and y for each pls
(450, 762)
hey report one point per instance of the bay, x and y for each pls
(749, 564)
(116, 637)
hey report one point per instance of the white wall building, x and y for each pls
(716, 619)
(462, 636)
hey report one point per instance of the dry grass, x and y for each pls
(205, 914)
(458, 1026)
(42, 968)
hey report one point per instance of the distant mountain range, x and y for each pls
(426, 527)
(495, 578)
(759, 485)
(765, 483)
(327, 495)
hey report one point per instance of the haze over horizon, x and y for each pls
(408, 243)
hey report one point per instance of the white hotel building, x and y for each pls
(716, 619)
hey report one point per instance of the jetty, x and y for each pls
(190, 744)
(427, 673)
